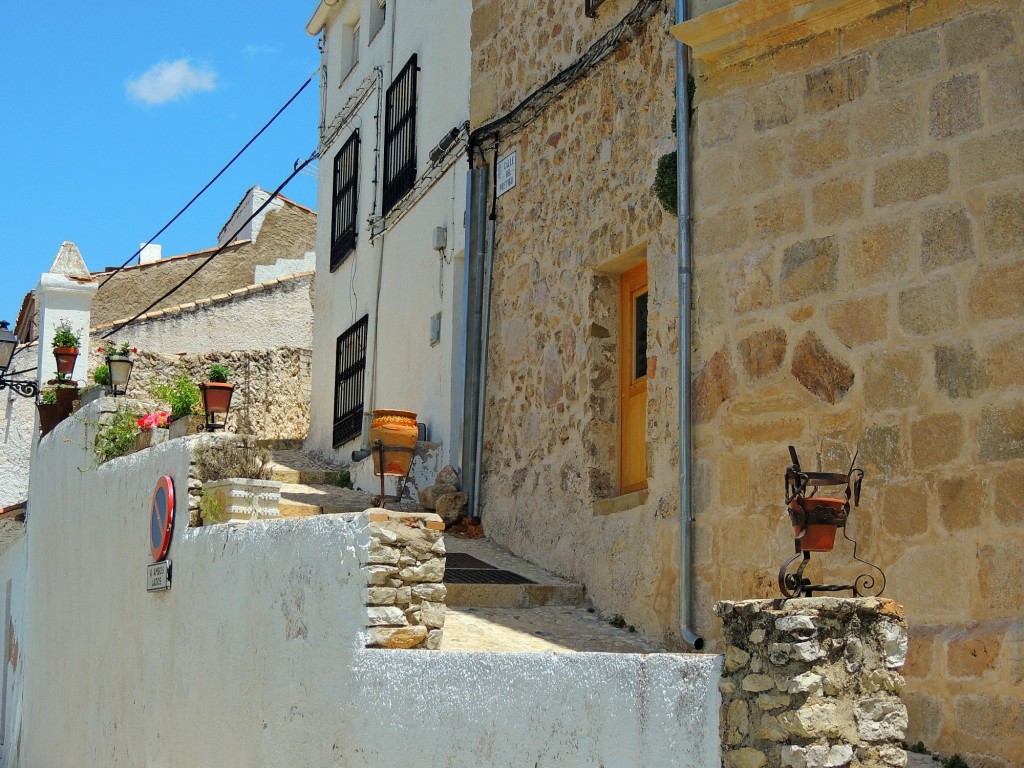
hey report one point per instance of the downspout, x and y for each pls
(683, 223)
(485, 324)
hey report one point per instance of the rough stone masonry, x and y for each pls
(813, 683)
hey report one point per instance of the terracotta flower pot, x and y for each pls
(65, 357)
(49, 417)
(822, 517)
(394, 429)
(216, 396)
(66, 397)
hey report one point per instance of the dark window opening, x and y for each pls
(350, 363)
(343, 209)
(400, 137)
(640, 338)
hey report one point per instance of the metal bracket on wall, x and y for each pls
(591, 7)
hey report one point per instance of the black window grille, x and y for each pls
(400, 136)
(343, 213)
(350, 363)
(591, 6)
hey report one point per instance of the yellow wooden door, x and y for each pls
(633, 380)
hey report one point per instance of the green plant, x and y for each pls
(209, 509)
(101, 375)
(180, 393)
(617, 621)
(955, 762)
(918, 748)
(666, 183)
(218, 372)
(48, 396)
(345, 479)
(117, 436)
(66, 336)
(237, 457)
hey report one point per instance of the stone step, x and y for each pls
(306, 499)
(285, 474)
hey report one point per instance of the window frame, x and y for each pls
(400, 137)
(349, 370)
(345, 201)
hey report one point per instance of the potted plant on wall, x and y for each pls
(66, 391)
(234, 472)
(184, 398)
(152, 429)
(49, 410)
(101, 383)
(216, 395)
(65, 346)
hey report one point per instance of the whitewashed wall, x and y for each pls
(17, 427)
(254, 656)
(415, 281)
(13, 573)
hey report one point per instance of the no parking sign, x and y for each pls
(161, 524)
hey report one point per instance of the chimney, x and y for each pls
(150, 253)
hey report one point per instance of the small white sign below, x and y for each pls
(158, 576)
(506, 173)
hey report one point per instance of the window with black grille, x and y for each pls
(400, 136)
(350, 363)
(343, 209)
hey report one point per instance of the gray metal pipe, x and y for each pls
(481, 404)
(685, 275)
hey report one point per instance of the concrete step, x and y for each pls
(291, 465)
(304, 500)
(546, 589)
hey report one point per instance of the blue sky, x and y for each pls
(115, 114)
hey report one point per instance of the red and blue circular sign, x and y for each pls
(161, 520)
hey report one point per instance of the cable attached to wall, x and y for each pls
(210, 183)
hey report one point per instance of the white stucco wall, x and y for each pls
(415, 281)
(261, 317)
(13, 571)
(61, 298)
(17, 427)
(254, 657)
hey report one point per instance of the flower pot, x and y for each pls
(216, 396)
(49, 417)
(186, 425)
(66, 397)
(148, 437)
(242, 498)
(821, 517)
(65, 357)
(397, 433)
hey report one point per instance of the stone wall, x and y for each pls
(271, 397)
(404, 569)
(813, 682)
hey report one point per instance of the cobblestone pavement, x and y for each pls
(560, 629)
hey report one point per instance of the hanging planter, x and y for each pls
(66, 341)
(216, 396)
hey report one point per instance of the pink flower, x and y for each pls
(152, 420)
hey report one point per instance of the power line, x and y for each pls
(273, 196)
(211, 181)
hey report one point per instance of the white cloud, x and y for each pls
(170, 81)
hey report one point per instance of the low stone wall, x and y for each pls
(404, 567)
(813, 683)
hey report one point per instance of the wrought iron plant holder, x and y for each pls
(815, 522)
(381, 450)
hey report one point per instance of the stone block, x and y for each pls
(929, 308)
(428, 496)
(805, 54)
(737, 721)
(777, 104)
(837, 200)
(947, 236)
(759, 165)
(1004, 222)
(762, 353)
(713, 385)
(385, 616)
(433, 641)
(955, 107)
(749, 282)
(747, 757)
(973, 652)
(817, 149)
(911, 179)
(380, 554)
(958, 371)
(430, 571)
(719, 232)
(770, 729)
(806, 682)
(836, 84)
(809, 268)
(904, 510)
(451, 507)
(758, 683)
(820, 371)
(892, 378)
(779, 216)
(717, 120)
(1001, 432)
(1009, 494)
(1001, 577)
(936, 439)
(881, 449)
(859, 321)
(995, 290)
(714, 178)
(990, 158)
(381, 595)
(884, 25)
(401, 637)
(888, 125)
(961, 499)
(432, 615)
(735, 658)
(977, 37)
(990, 717)
(817, 718)
(925, 717)
(881, 251)
(379, 575)
(1006, 89)
(907, 59)
(881, 718)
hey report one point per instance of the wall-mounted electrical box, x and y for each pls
(435, 329)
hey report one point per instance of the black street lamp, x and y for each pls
(8, 343)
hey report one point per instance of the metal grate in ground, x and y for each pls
(462, 560)
(488, 575)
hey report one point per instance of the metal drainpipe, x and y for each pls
(485, 324)
(690, 637)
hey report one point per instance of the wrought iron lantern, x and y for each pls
(816, 519)
(120, 367)
(8, 343)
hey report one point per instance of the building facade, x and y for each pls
(857, 190)
(395, 84)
